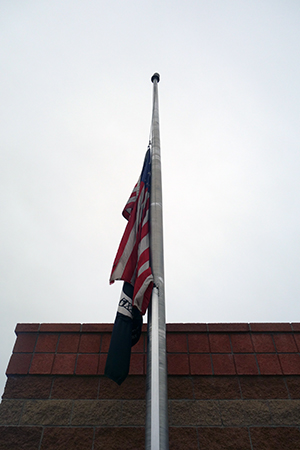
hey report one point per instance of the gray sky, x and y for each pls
(76, 101)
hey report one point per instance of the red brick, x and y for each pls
(139, 347)
(137, 364)
(285, 343)
(227, 327)
(183, 438)
(219, 343)
(133, 388)
(268, 364)
(125, 438)
(293, 384)
(178, 364)
(68, 343)
(20, 438)
(90, 343)
(59, 438)
(263, 388)
(245, 364)
(27, 386)
(19, 363)
(176, 343)
(263, 343)
(25, 343)
(60, 327)
(186, 327)
(102, 362)
(224, 439)
(64, 364)
(105, 342)
(46, 343)
(223, 365)
(296, 326)
(27, 327)
(297, 340)
(41, 363)
(198, 343)
(180, 387)
(241, 343)
(290, 363)
(285, 438)
(200, 364)
(97, 327)
(261, 327)
(87, 364)
(217, 388)
(70, 387)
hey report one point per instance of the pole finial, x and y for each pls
(156, 77)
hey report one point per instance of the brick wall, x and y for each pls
(231, 386)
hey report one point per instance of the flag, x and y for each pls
(126, 333)
(132, 262)
(132, 265)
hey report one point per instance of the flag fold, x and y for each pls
(132, 262)
(126, 333)
(132, 265)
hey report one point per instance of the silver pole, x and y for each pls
(157, 433)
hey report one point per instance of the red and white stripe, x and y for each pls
(132, 262)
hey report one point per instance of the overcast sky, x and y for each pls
(76, 101)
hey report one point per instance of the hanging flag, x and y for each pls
(132, 262)
(126, 333)
(132, 265)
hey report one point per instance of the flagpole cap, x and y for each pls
(156, 77)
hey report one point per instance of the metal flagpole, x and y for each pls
(157, 436)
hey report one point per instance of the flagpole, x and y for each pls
(157, 436)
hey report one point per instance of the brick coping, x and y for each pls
(256, 327)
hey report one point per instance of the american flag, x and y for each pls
(132, 262)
